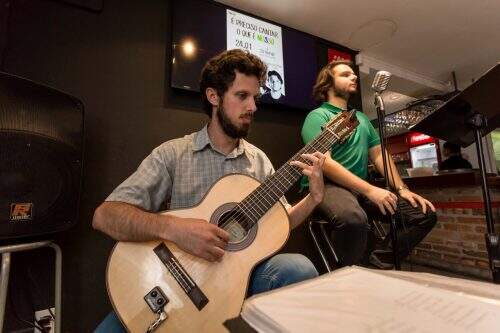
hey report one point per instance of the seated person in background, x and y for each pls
(454, 159)
(349, 199)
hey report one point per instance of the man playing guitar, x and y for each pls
(182, 170)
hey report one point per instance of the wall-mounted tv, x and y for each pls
(202, 29)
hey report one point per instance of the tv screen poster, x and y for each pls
(264, 40)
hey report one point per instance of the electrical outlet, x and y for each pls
(45, 319)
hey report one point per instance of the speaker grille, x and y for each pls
(41, 133)
(27, 106)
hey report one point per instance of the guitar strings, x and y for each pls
(268, 185)
(179, 275)
(237, 213)
(322, 141)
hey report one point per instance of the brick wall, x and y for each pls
(457, 242)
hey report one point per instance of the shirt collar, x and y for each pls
(202, 140)
(331, 107)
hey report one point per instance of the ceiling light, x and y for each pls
(372, 33)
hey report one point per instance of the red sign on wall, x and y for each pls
(417, 139)
(338, 55)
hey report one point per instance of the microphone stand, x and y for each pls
(379, 104)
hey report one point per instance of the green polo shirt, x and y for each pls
(353, 153)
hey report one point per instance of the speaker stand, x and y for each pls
(4, 276)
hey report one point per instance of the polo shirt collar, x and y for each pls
(331, 107)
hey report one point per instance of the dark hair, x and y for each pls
(325, 80)
(273, 72)
(220, 71)
(452, 147)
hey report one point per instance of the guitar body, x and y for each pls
(134, 269)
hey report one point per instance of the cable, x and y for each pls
(52, 314)
(14, 311)
(38, 294)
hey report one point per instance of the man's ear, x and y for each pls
(212, 96)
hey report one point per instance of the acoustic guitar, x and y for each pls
(155, 286)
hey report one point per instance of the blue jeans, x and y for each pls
(278, 271)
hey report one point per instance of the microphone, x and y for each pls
(379, 85)
(380, 81)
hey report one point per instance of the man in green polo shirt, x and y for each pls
(349, 199)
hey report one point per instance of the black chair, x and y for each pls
(317, 228)
(320, 230)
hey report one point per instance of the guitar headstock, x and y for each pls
(342, 125)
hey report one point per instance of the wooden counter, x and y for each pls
(452, 180)
(472, 178)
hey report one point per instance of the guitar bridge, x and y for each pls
(187, 284)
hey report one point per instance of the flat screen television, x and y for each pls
(202, 29)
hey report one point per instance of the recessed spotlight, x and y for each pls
(188, 48)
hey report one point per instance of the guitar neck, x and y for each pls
(257, 203)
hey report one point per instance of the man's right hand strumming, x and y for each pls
(200, 238)
(125, 222)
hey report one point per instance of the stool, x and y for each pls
(4, 276)
(321, 225)
(379, 232)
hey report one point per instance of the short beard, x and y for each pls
(339, 93)
(228, 127)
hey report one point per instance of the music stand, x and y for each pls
(462, 120)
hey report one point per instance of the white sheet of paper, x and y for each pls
(360, 300)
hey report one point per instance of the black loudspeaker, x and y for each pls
(41, 151)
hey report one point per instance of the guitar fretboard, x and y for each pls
(257, 203)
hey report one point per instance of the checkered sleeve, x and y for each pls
(151, 184)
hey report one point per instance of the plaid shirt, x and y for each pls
(180, 171)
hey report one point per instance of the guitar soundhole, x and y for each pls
(236, 224)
